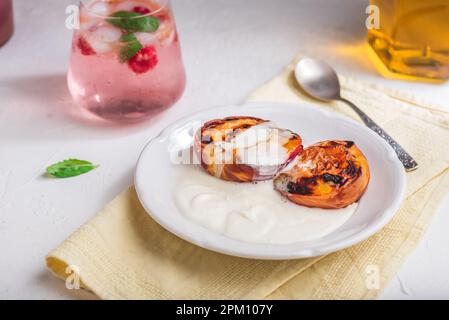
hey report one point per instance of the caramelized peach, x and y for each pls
(245, 149)
(329, 175)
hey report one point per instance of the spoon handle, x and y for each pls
(409, 163)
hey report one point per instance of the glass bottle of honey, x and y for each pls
(413, 38)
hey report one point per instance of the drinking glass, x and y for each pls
(6, 20)
(126, 62)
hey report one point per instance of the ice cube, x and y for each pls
(108, 34)
(127, 5)
(146, 38)
(103, 38)
(100, 8)
(91, 24)
(99, 46)
(166, 33)
(158, 4)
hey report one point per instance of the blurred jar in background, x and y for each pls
(6, 20)
(413, 38)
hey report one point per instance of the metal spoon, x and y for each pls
(320, 81)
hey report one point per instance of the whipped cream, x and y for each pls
(250, 212)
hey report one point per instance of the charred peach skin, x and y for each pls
(328, 175)
(220, 132)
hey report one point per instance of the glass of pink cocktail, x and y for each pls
(126, 62)
(6, 20)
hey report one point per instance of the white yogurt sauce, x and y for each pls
(250, 212)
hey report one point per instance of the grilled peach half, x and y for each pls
(329, 175)
(245, 149)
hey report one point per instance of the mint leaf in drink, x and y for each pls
(130, 37)
(70, 168)
(131, 47)
(133, 22)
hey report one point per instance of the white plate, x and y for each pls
(379, 204)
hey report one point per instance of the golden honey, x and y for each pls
(413, 38)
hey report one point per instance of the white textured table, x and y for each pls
(230, 47)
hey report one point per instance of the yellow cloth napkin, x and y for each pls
(123, 254)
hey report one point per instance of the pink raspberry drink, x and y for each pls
(6, 21)
(126, 62)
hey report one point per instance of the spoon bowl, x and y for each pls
(320, 81)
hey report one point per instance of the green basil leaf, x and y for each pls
(130, 37)
(133, 22)
(70, 168)
(132, 46)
